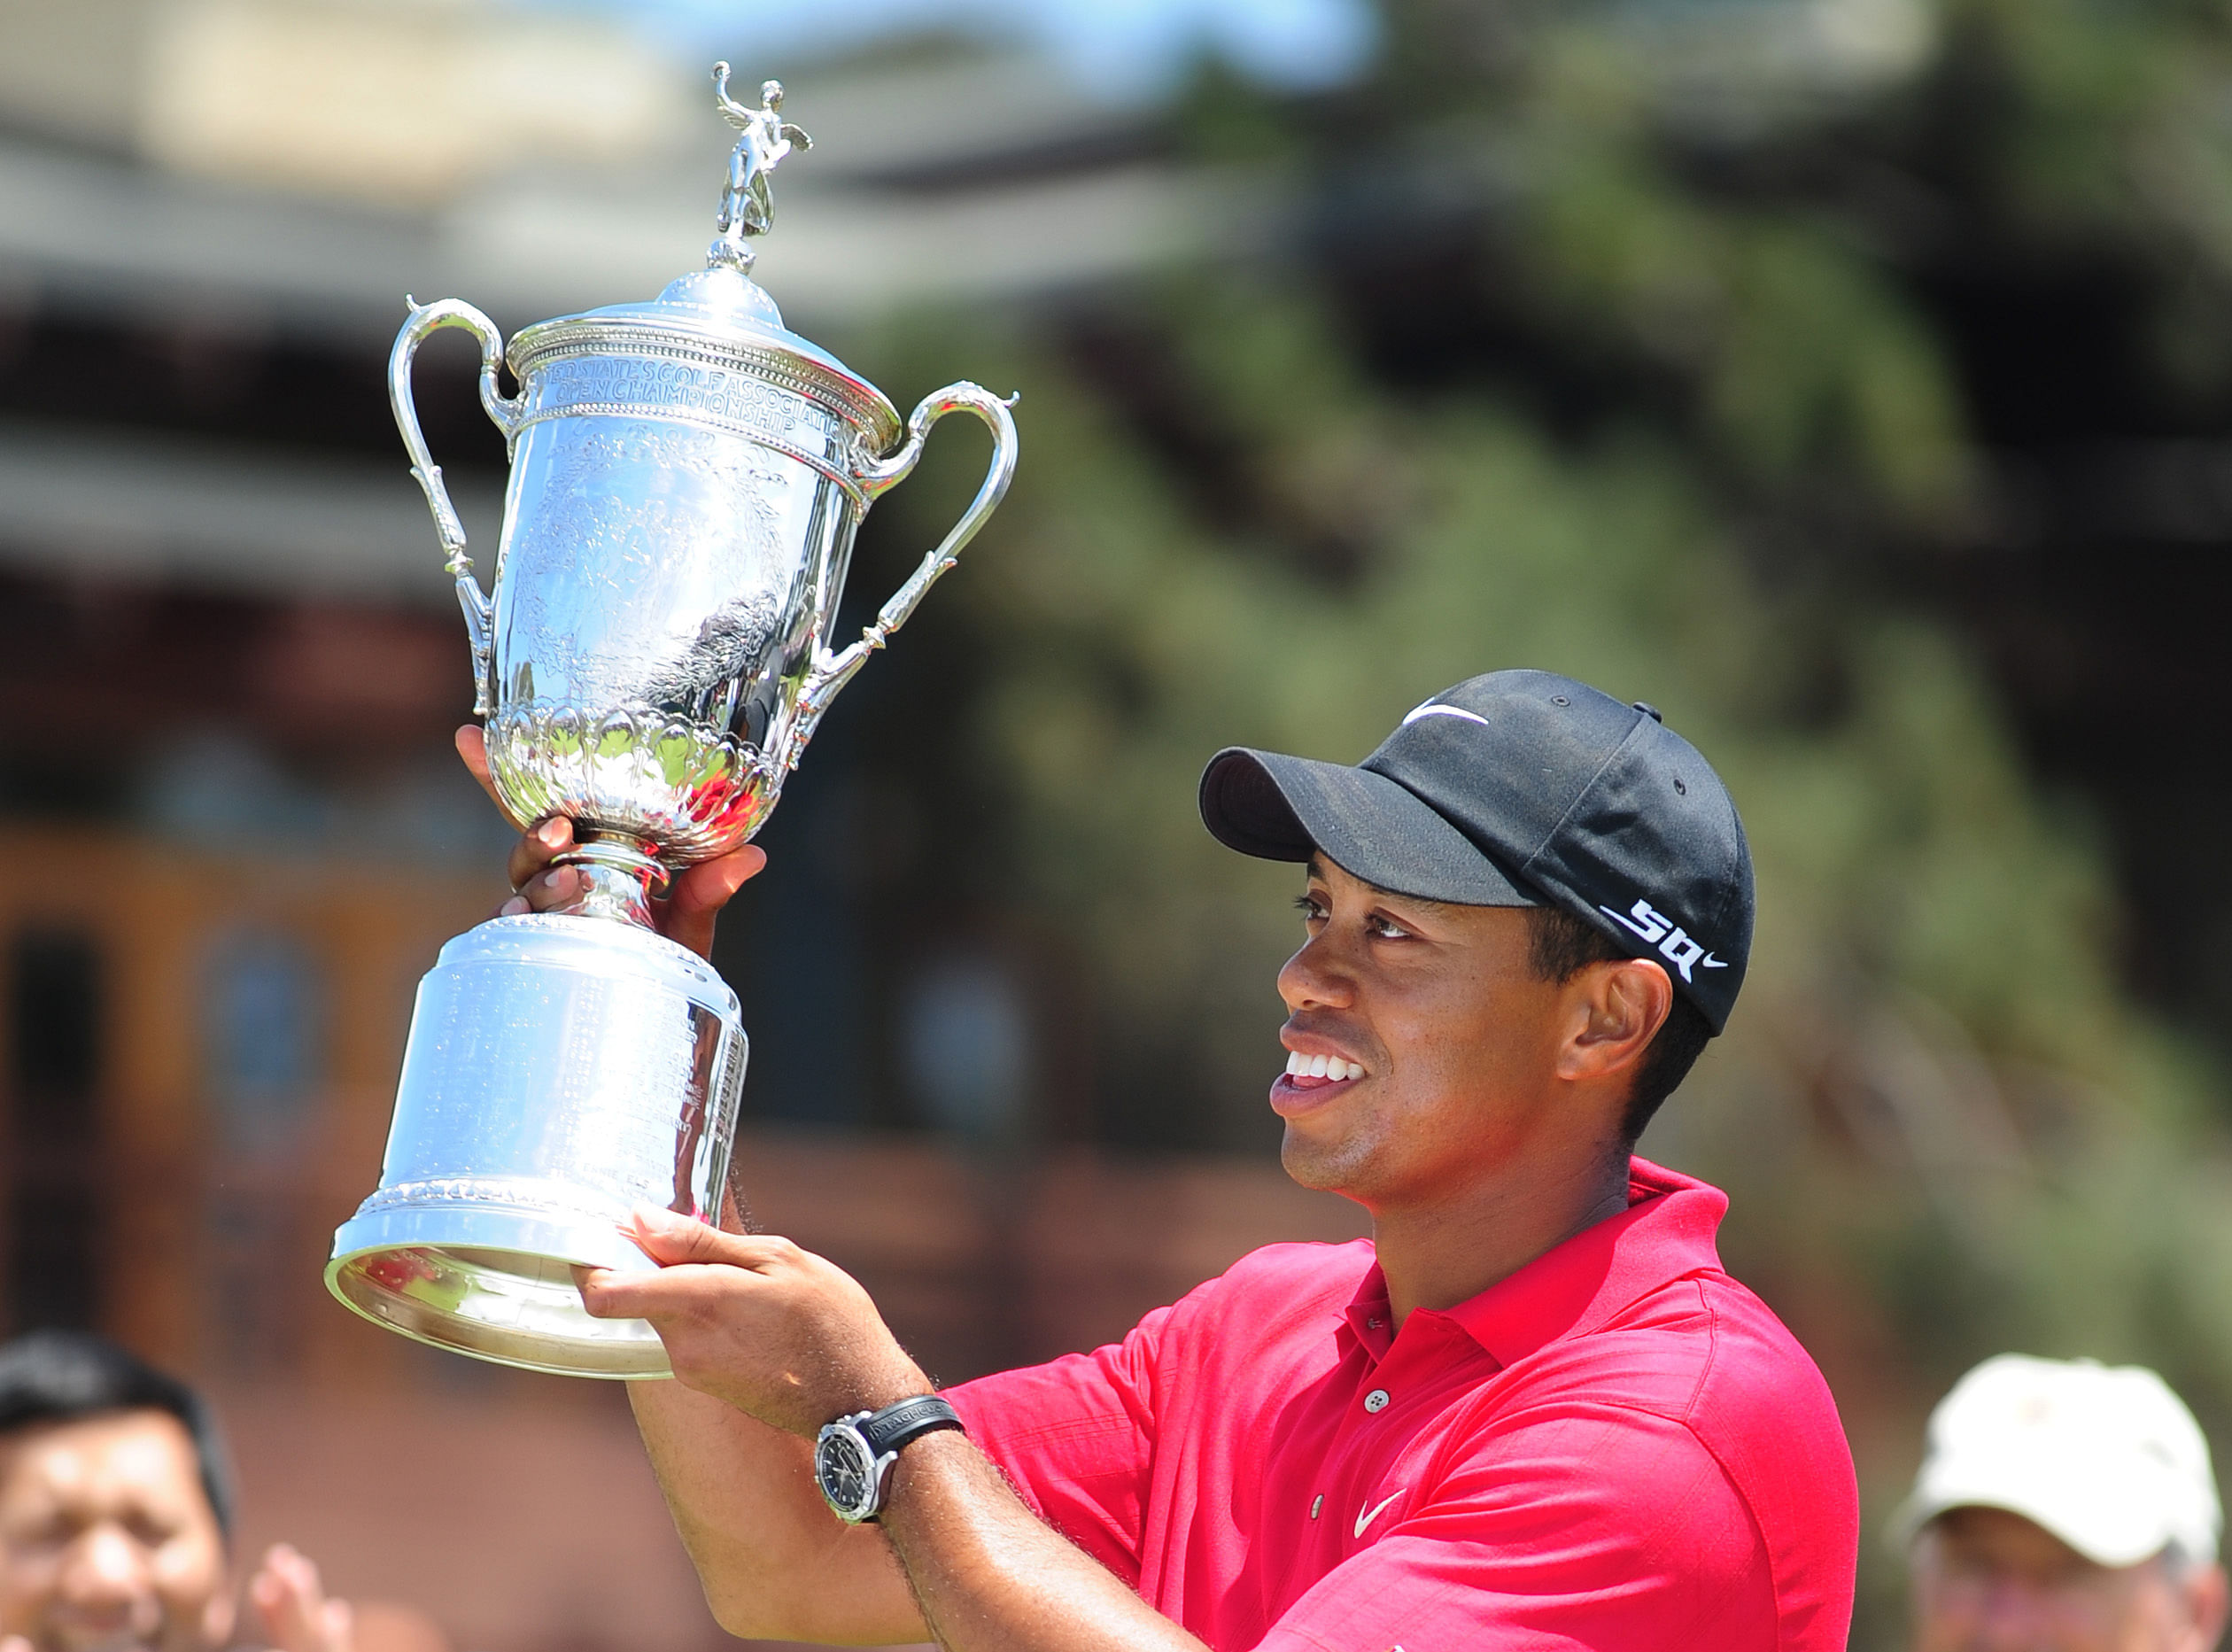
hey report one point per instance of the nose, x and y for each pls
(2015, 1617)
(105, 1575)
(1316, 977)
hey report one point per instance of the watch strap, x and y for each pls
(889, 1429)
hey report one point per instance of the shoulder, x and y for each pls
(1265, 1300)
(1272, 1294)
(1758, 1392)
(1699, 1363)
(1701, 1372)
(1762, 1408)
(1272, 1314)
(1303, 1269)
(1701, 1350)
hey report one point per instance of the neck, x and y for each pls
(1437, 1254)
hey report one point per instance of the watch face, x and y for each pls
(847, 1471)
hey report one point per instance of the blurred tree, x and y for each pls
(1641, 343)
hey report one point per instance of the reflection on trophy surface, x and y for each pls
(686, 479)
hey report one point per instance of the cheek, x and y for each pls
(27, 1577)
(19, 1596)
(187, 1570)
(1462, 1036)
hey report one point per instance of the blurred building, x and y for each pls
(230, 667)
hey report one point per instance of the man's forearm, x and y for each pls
(990, 1576)
(768, 1343)
(775, 1563)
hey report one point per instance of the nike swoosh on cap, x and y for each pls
(1431, 709)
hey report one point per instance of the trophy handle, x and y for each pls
(425, 319)
(832, 672)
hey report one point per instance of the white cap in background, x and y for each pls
(2105, 1458)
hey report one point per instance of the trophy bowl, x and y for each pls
(686, 479)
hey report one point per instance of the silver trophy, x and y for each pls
(686, 478)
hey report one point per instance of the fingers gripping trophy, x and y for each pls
(686, 478)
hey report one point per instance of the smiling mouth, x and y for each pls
(1319, 1072)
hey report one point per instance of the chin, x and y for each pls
(1339, 1167)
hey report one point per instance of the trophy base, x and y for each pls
(561, 1071)
(496, 1284)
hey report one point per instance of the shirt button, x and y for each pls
(1316, 1504)
(1377, 1401)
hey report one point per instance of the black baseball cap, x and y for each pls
(1521, 788)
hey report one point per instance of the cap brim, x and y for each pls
(2107, 1531)
(1275, 807)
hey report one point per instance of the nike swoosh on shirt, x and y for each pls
(1370, 1514)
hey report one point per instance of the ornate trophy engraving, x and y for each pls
(686, 478)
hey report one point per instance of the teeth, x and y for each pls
(1318, 1063)
(1297, 1064)
(1300, 1066)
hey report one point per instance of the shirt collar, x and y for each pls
(1666, 1231)
(1572, 1289)
(1368, 1320)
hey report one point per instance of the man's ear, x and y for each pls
(1619, 1008)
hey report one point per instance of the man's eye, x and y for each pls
(1310, 908)
(1381, 924)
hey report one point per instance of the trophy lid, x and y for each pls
(719, 313)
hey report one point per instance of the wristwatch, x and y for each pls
(854, 1454)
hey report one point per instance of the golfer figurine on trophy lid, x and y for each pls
(686, 478)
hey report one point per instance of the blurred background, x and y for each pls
(1850, 378)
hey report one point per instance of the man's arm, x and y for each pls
(756, 1325)
(990, 1576)
(775, 1563)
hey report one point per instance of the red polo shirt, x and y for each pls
(1616, 1448)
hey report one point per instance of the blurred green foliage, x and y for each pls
(1947, 1129)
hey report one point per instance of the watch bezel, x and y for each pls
(844, 1434)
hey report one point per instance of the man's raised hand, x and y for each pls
(693, 899)
(777, 1331)
(297, 1614)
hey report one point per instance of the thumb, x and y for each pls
(472, 746)
(669, 1239)
(708, 886)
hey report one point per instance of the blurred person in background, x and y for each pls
(1533, 1408)
(116, 1508)
(2063, 1506)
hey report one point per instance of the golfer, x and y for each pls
(1532, 1411)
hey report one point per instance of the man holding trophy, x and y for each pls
(1532, 1410)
